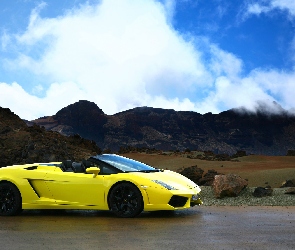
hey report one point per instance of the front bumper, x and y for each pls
(171, 199)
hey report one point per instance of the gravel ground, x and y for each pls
(246, 198)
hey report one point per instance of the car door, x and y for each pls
(76, 189)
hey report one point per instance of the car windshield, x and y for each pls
(125, 164)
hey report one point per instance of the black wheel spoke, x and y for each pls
(10, 199)
(126, 200)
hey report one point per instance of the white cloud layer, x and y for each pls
(124, 54)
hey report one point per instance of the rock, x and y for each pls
(290, 190)
(262, 192)
(193, 173)
(240, 153)
(291, 153)
(228, 185)
(288, 183)
(208, 178)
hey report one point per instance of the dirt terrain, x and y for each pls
(259, 170)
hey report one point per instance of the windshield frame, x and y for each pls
(124, 164)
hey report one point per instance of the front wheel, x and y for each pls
(10, 199)
(125, 200)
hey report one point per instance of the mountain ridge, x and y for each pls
(167, 129)
(20, 143)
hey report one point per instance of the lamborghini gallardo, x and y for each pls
(103, 182)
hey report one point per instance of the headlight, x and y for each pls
(165, 185)
(195, 197)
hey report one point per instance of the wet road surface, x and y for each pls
(199, 227)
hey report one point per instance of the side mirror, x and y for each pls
(93, 170)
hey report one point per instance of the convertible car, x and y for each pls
(103, 182)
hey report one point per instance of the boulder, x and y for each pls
(240, 153)
(193, 173)
(290, 190)
(208, 178)
(228, 185)
(291, 153)
(262, 192)
(288, 183)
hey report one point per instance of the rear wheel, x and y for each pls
(10, 199)
(125, 200)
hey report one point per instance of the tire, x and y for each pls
(125, 200)
(10, 199)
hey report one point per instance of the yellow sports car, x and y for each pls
(103, 182)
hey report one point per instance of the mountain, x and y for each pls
(22, 144)
(166, 129)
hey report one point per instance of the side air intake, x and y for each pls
(177, 201)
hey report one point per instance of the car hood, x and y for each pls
(171, 178)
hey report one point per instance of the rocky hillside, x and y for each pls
(165, 129)
(22, 144)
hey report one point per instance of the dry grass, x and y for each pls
(259, 170)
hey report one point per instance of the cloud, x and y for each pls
(5, 39)
(257, 9)
(263, 7)
(280, 85)
(117, 56)
(30, 107)
(170, 6)
(224, 63)
(288, 5)
(124, 54)
(259, 88)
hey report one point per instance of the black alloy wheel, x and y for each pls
(10, 199)
(125, 200)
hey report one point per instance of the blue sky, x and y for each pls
(191, 55)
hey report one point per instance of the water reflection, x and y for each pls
(195, 228)
(92, 221)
